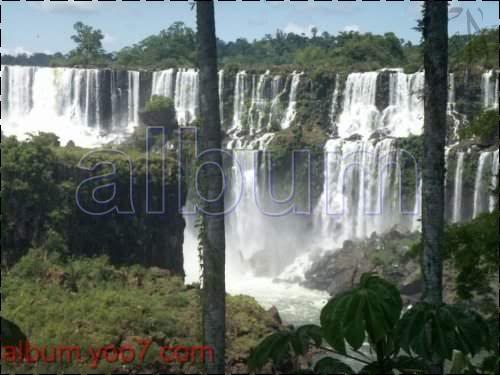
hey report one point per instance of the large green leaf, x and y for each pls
(330, 365)
(429, 331)
(371, 309)
(278, 345)
(458, 364)
(271, 348)
(304, 336)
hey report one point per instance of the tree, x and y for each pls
(173, 47)
(213, 234)
(435, 35)
(89, 45)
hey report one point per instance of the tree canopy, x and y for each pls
(89, 50)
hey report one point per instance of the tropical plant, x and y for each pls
(372, 313)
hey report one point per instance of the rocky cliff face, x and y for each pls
(340, 270)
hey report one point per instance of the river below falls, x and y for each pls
(296, 305)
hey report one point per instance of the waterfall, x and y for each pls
(457, 191)
(494, 182)
(361, 193)
(489, 88)
(360, 113)
(416, 224)
(335, 101)
(133, 97)
(88, 106)
(495, 100)
(482, 184)
(456, 117)
(277, 91)
(221, 97)
(259, 103)
(404, 115)
(240, 89)
(257, 115)
(451, 92)
(264, 111)
(186, 96)
(17, 88)
(245, 221)
(255, 254)
(362, 187)
(164, 83)
(292, 101)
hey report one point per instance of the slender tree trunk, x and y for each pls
(213, 239)
(435, 30)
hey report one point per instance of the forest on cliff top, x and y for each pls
(175, 46)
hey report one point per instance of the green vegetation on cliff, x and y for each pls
(483, 128)
(88, 302)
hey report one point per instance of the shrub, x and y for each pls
(484, 127)
(159, 103)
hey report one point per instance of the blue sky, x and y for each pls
(46, 27)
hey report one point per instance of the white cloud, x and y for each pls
(108, 39)
(298, 29)
(69, 6)
(350, 28)
(16, 51)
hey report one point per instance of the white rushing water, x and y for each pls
(186, 96)
(240, 90)
(164, 83)
(483, 184)
(494, 181)
(489, 87)
(257, 107)
(335, 101)
(404, 116)
(457, 191)
(456, 117)
(257, 255)
(451, 92)
(292, 101)
(360, 113)
(221, 94)
(133, 97)
(361, 194)
(69, 103)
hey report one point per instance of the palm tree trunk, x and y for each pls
(435, 30)
(213, 244)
